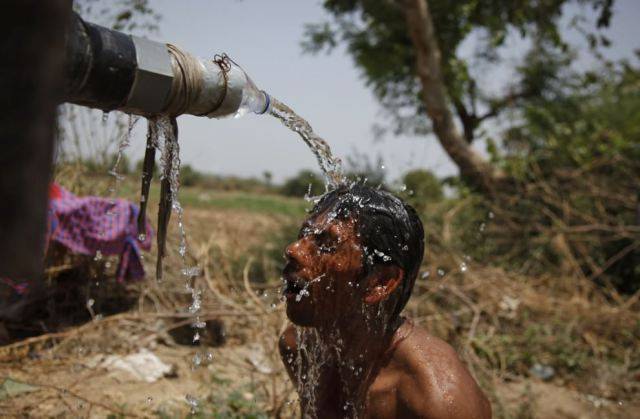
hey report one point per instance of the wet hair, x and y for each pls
(390, 231)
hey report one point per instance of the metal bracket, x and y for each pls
(153, 77)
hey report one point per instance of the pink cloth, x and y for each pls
(88, 225)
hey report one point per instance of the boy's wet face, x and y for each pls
(323, 271)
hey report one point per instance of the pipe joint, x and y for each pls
(153, 78)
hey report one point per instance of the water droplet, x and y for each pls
(197, 360)
(382, 255)
(193, 403)
(441, 272)
(142, 237)
(302, 293)
(107, 264)
(98, 256)
(190, 272)
(463, 267)
(195, 305)
(117, 177)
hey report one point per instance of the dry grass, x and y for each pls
(501, 323)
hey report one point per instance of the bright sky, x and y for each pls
(264, 38)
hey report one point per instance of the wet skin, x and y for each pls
(402, 371)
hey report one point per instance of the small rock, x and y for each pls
(543, 372)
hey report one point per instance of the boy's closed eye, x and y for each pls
(326, 242)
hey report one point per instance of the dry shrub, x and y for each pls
(504, 323)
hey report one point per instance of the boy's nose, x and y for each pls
(295, 251)
(291, 250)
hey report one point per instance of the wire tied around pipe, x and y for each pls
(188, 82)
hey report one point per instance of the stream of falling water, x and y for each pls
(331, 166)
(125, 141)
(313, 351)
(166, 130)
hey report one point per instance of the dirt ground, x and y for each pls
(66, 373)
(77, 387)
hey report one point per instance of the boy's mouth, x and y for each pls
(293, 284)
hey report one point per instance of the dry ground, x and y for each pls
(501, 325)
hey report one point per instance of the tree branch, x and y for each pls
(469, 120)
(498, 105)
(473, 168)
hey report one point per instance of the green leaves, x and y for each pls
(375, 34)
(318, 37)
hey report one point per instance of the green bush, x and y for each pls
(573, 202)
(305, 182)
(189, 176)
(421, 187)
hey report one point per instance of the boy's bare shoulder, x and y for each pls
(434, 382)
(287, 342)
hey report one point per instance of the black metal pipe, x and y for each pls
(100, 66)
(110, 70)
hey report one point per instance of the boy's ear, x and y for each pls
(382, 282)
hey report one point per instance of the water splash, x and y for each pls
(463, 267)
(167, 141)
(117, 177)
(312, 354)
(170, 185)
(125, 141)
(193, 403)
(148, 167)
(331, 166)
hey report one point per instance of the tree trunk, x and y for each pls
(473, 168)
(32, 48)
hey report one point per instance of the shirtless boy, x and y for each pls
(349, 352)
